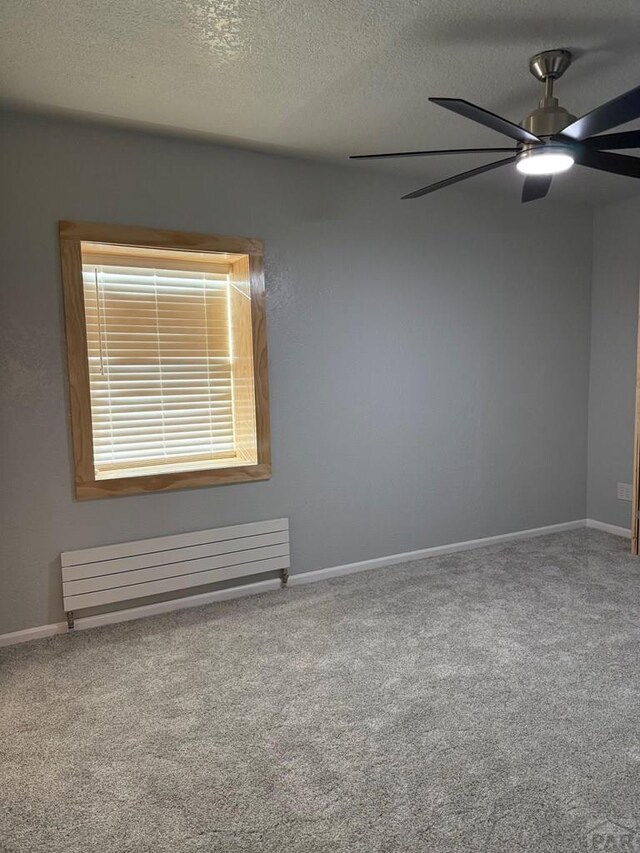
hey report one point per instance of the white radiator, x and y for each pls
(132, 570)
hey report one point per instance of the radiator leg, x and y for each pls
(70, 622)
(285, 576)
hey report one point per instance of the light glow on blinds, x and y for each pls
(161, 365)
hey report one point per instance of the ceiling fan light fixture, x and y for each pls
(548, 161)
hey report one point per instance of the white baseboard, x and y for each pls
(139, 612)
(609, 528)
(37, 633)
(296, 579)
(408, 556)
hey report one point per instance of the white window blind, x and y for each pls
(160, 355)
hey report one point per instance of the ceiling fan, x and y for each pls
(550, 140)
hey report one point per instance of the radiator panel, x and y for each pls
(119, 565)
(131, 570)
(179, 540)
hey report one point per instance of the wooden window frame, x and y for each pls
(72, 234)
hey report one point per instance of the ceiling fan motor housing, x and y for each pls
(548, 119)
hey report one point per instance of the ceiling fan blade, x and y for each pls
(610, 141)
(619, 111)
(535, 186)
(491, 120)
(461, 177)
(618, 164)
(430, 153)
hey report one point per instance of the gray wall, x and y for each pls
(616, 274)
(428, 361)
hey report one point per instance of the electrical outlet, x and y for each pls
(624, 492)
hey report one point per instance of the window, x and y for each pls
(167, 359)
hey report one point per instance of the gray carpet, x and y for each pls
(483, 701)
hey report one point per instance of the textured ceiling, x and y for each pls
(322, 78)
